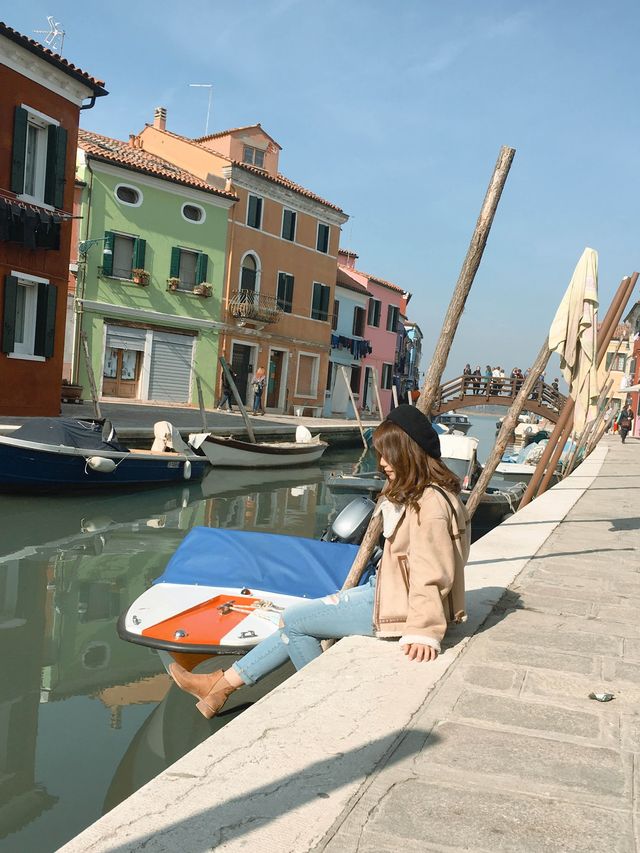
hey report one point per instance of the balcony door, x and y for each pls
(242, 364)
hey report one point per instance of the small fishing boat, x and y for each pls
(228, 452)
(454, 421)
(47, 454)
(223, 590)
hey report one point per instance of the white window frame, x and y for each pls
(259, 227)
(314, 375)
(326, 225)
(25, 352)
(391, 305)
(128, 187)
(379, 312)
(42, 121)
(295, 225)
(253, 149)
(133, 237)
(390, 366)
(184, 251)
(256, 258)
(197, 207)
(329, 307)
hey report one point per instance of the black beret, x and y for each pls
(418, 427)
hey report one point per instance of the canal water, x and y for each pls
(85, 718)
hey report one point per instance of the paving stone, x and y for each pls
(573, 689)
(619, 613)
(624, 672)
(554, 604)
(632, 650)
(538, 658)
(519, 713)
(492, 753)
(442, 817)
(490, 677)
(560, 640)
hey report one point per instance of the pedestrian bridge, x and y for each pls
(466, 391)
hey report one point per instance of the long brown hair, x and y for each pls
(414, 468)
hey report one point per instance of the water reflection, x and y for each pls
(86, 718)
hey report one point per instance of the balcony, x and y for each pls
(249, 306)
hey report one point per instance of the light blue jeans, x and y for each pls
(345, 614)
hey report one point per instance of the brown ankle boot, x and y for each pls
(211, 689)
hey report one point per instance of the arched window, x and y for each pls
(249, 273)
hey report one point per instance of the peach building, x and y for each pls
(281, 261)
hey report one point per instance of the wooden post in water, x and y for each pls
(452, 318)
(507, 427)
(374, 373)
(236, 397)
(343, 371)
(203, 413)
(90, 374)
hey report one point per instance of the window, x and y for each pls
(307, 380)
(254, 212)
(288, 225)
(129, 195)
(320, 304)
(38, 157)
(193, 213)
(29, 324)
(393, 312)
(620, 361)
(334, 318)
(322, 238)
(253, 156)
(122, 254)
(358, 322)
(188, 265)
(249, 273)
(285, 292)
(387, 376)
(354, 379)
(373, 314)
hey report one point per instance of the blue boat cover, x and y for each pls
(289, 565)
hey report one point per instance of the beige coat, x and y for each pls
(420, 585)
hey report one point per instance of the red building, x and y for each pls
(41, 95)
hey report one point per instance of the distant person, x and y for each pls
(477, 380)
(258, 389)
(466, 373)
(624, 420)
(496, 385)
(227, 393)
(487, 379)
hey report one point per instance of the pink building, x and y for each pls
(386, 303)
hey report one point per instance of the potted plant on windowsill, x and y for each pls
(173, 284)
(140, 277)
(202, 290)
(70, 393)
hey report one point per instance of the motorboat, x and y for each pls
(48, 454)
(228, 452)
(454, 421)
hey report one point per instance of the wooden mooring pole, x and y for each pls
(236, 397)
(452, 318)
(92, 379)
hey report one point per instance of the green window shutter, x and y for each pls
(315, 306)
(139, 251)
(19, 155)
(107, 259)
(45, 320)
(56, 163)
(325, 302)
(9, 314)
(174, 270)
(201, 268)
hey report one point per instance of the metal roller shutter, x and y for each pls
(170, 374)
(126, 337)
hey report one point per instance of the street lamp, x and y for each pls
(85, 245)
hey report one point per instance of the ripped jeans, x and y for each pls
(344, 614)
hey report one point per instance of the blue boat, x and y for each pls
(47, 454)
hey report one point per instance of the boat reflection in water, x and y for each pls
(86, 718)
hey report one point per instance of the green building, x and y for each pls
(149, 277)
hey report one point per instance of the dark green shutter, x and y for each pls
(56, 163)
(174, 270)
(19, 154)
(315, 305)
(325, 302)
(45, 320)
(201, 268)
(107, 258)
(139, 250)
(9, 315)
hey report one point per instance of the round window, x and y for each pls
(129, 195)
(192, 213)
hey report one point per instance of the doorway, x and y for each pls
(121, 373)
(275, 378)
(242, 366)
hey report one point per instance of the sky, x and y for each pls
(396, 112)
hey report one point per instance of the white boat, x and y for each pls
(454, 421)
(227, 452)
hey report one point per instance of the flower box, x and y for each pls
(70, 393)
(202, 290)
(140, 277)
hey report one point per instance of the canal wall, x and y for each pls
(358, 751)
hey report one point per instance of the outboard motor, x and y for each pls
(350, 524)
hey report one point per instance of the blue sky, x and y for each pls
(396, 112)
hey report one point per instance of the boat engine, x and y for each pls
(350, 524)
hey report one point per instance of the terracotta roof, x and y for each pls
(123, 154)
(343, 279)
(220, 133)
(348, 253)
(54, 59)
(380, 281)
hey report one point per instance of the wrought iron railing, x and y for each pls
(249, 305)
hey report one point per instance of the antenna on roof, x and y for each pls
(208, 86)
(52, 35)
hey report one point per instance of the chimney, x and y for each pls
(160, 118)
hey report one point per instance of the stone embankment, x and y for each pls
(495, 746)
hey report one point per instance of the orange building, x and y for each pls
(281, 261)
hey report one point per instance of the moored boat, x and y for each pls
(228, 452)
(454, 421)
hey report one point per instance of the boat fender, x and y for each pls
(101, 464)
(187, 470)
(528, 430)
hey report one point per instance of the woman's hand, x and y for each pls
(420, 652)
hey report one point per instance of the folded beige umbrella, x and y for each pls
(573, 336)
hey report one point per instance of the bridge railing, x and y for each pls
(494, 389)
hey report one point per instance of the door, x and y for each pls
(170, 370)
(274, 379)
(121, 373)
(242, 366)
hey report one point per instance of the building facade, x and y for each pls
(148, 276)
(619, 365)
(40, 102)
(281, 262)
